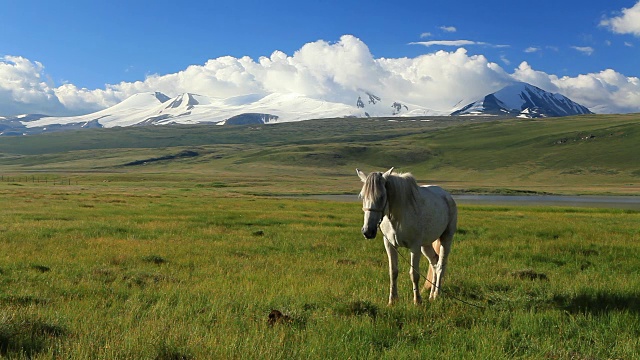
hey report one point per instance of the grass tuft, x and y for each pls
(28, 336)
(172, 352)
(41, 268)
(358, 308)
(529, 274)
(156, 259)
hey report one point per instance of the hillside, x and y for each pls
(585, 154)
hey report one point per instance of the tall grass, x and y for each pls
(118, 270)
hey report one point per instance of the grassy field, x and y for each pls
(123, 244)
(123, 271)
(578, 155)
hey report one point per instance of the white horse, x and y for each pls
(420, 218)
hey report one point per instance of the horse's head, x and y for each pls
(374, 200)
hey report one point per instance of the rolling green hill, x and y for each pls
(585, 154)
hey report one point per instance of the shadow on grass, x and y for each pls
(171, 352)
(598, 303)
(27, 336)
(357, 308)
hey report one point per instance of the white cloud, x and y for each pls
(447, 43)
(425, 35)
(23, 87)
(323, 70)
(448, 28)
(526, 73)
(442, 79)
(587, 50)
(531, 49)
(627, 23)
(456, 43)
(604, 92)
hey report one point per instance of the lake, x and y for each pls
(614, 202)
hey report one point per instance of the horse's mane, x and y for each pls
(373, 187)
(402, 188)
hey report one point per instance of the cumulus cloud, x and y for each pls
(23, 86)
(333, 71)
(442, 79)
(604, 92)
(628, 22)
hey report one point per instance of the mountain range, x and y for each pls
(156, 108)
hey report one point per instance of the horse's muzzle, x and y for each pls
(369, 232)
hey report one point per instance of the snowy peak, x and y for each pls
(399, 108)
(161, 97)
(155, 108)
(370, 98)
(374, 106)
(186, 101)
(523, 100)
(142, 100)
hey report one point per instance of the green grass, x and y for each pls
(118, 270)
(186, 257)
(593, 154)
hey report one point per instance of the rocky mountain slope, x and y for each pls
(523, 100)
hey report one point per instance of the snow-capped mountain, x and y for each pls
(523, 100)
(155, 108)
(373, 106)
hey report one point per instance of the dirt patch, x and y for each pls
(277, 317)
(529, 274)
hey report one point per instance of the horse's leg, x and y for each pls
(393, 271)
(431, 252)
(439, 269)
(429, 282)
(414, 273)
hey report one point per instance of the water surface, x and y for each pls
(613, 202)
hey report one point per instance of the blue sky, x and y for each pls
(98, 45)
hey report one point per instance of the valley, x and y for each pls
(591, 154)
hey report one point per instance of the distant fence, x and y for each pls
(37, 179)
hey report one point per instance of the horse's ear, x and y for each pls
(362, 175)
(386, 175)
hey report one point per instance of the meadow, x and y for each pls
(186, 257)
